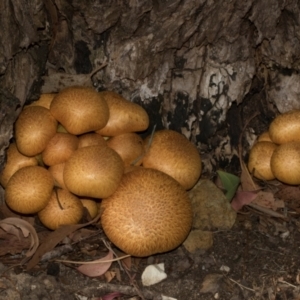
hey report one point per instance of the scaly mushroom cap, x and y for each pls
(285, 163)
(93, 171)
(29, 189)
(34, 128)
(63, 208)
(259, 163)
(15, 161)
(124, 116)
(80, 109)
(173, 154)
(129, 146)
(59, 148)
(285, 127)
(149, 213)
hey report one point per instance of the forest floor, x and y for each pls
(258, 258)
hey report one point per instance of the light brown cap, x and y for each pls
(149, 213)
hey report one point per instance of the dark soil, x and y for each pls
(257, 259)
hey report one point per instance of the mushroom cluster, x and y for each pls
(80, 148)
(276, 154)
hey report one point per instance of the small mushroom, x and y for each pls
(124, 116)
(80, 109)
(259, 163)
(34, 128)
(129, 146)
(15, 161)
(44, 100)
(285, 163)
(172, 153)
(93, 171)
(91, 205)
(59, 148)
(285, 127)
(29, 189)
(63, 208)
(91, 139)
(264, 137)
(150, 212)
(57, 171)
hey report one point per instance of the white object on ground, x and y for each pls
(153, 274)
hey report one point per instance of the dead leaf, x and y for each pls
(267, 200)
(242, 198)
(98, 267)
(109, 275)
(53, 239)
(14, 226)
(211, 283)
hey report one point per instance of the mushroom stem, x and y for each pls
(57, 198)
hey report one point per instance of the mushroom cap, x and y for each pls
(29, 189)
(15, 161)
(91, 139)
(34, 128)
(80, 109)
(172, 153)
(44, 100)
(57, 171)
(259, 163)
(124, 116)
(285, 163)
(149, 213)
(59, 148)
(285, 127)
(264, 137)
(129, 146)
(63, 208)
(93, 171)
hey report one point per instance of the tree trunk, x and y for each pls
(202, 68)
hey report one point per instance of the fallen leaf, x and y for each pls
(230, 183)
(53, 239)
(97, 267)
(242, 198)
(267, 199)
(14, 226)
(211, 283)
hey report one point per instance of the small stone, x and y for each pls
(198, 240)
(153, 274)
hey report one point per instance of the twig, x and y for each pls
(267, 211)
(241, 286)
(123, 289)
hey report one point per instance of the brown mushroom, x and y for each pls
(285, 127)
(34, 128)
(80, 109)
(149, 213)
(124, 116)
(44, 100)
(91, 205)
(29, 189)
(91, 139)
(93, 171)
(285, 163)
(259, 163)
(57, 171)
(15, 161)
(59, 148)
(63, 208)
(172, 153)
(129, 146)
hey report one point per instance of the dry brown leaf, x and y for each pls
(211, 283)
(53, 239)
(99, 266)
(14, 226)
(267, 199)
